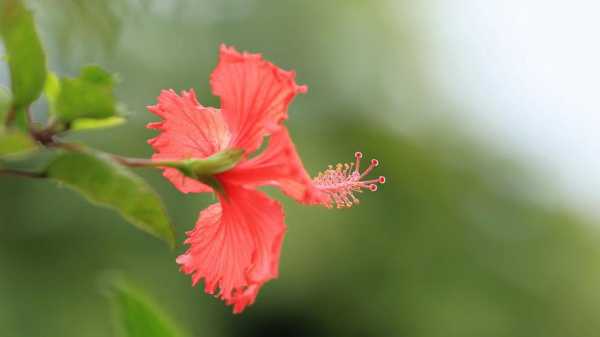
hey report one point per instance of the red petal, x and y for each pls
(279, 165)
(255, 95)
(235, 246)
(188, 130)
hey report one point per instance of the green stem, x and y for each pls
(18, 117)
(10, 116)
(138, 162)
(25, 174)
(217, 163)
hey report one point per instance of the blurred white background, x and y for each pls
(533, 71)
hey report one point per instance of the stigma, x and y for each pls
(342, 182)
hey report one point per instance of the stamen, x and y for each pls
(341, 182)
(374, 163)
(358, 156)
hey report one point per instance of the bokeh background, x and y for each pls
(486, 226)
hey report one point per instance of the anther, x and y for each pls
(373, 187)
(381, 179)
(374, 162)
(358, 155)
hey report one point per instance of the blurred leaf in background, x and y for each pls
(136, 315)
(99, 22)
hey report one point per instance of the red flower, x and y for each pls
(236, 243)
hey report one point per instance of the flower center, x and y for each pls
(344, 180)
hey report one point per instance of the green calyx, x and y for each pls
(205, 169)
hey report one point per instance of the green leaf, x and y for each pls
(25, 55)
(88, 96)
(137, 315)
(16, 143)
(51, 90)
(90, 123)
(106, 183)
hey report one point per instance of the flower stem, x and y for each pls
(142, 162)
(134, 162)
(25, 174)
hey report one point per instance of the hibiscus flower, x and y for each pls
(236, 243)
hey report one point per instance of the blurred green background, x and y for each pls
(459, 242)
